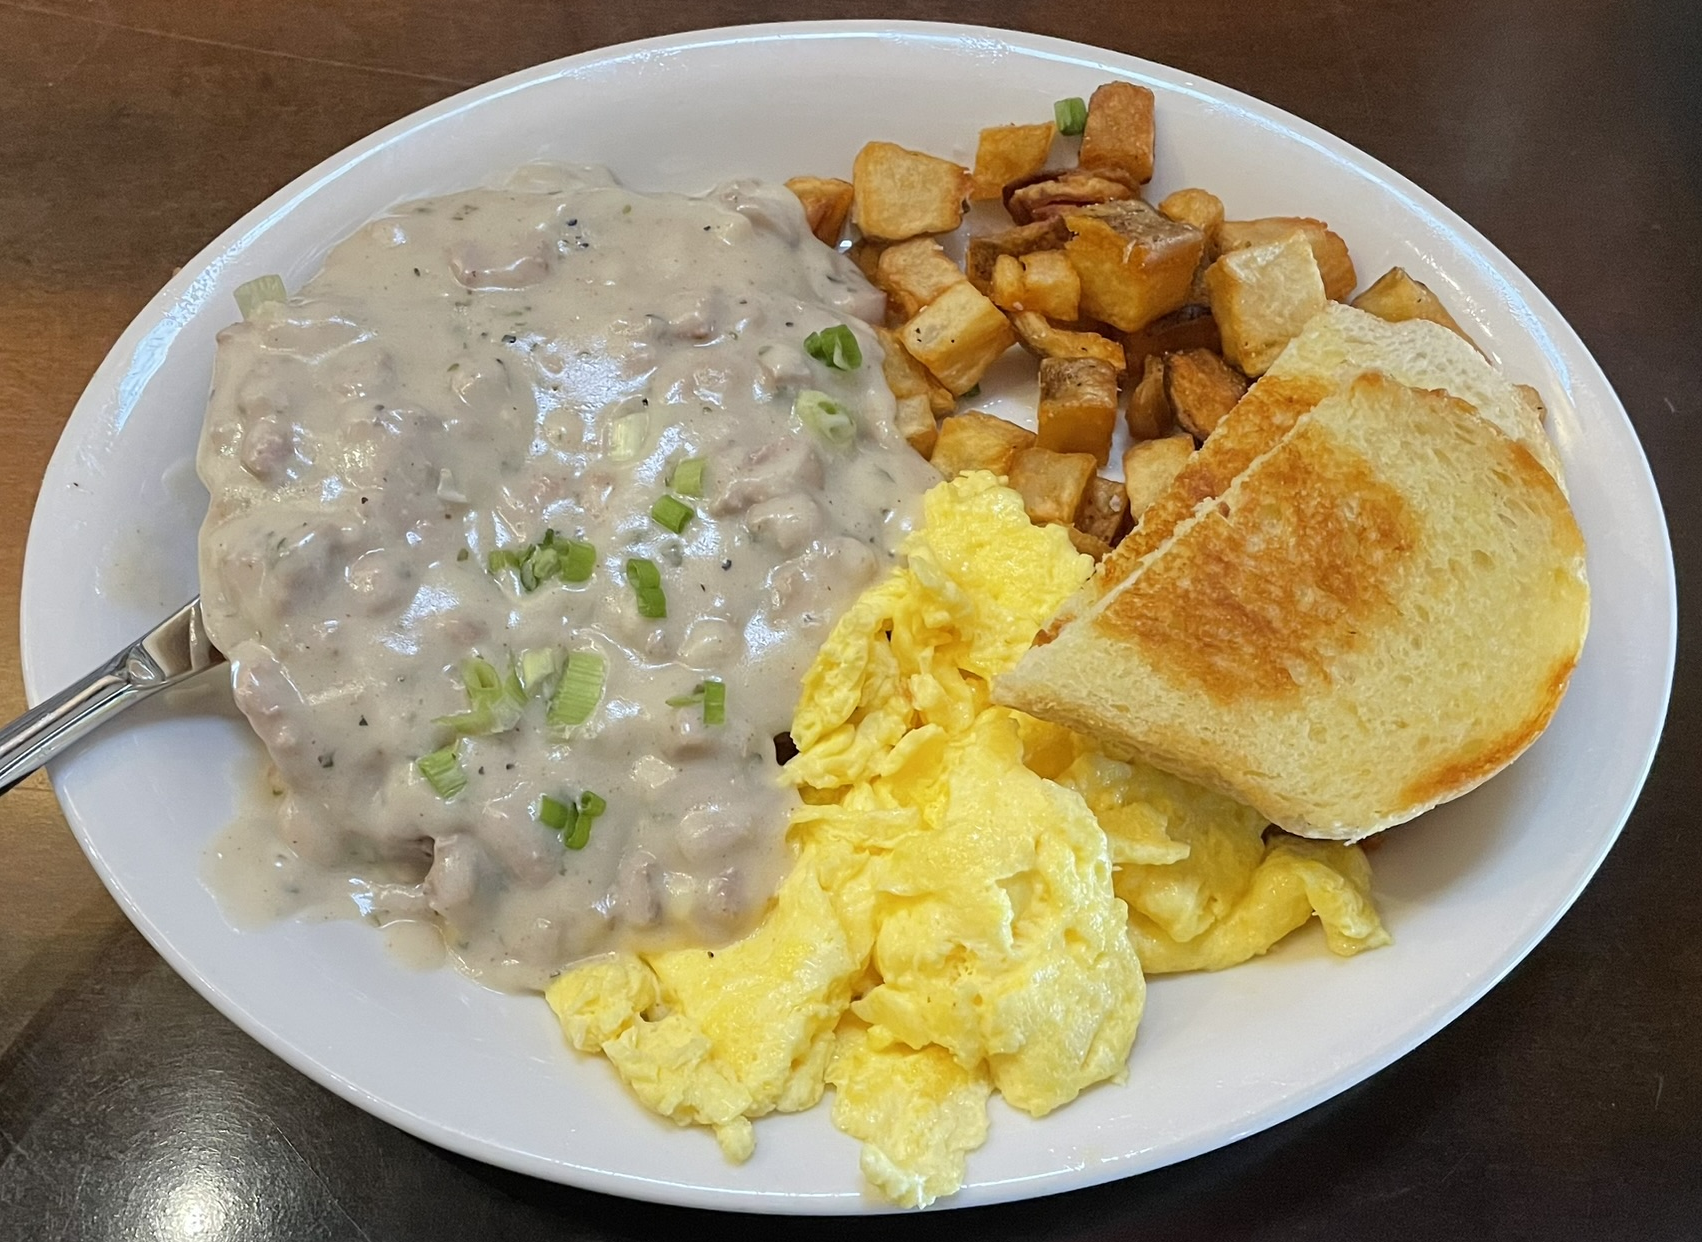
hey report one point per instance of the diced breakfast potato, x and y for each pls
(1261, 297)
(983, 251)
(1051, 484)
(1047, 341)
(1093, 545)
(1078, 406)
(909, 378)
(1192, 327)
(827, 203)
(914, 273)
(1397, 297)
(1135, 264)
(977, 441)
(1008, 153)
(1050, 285)
(1149, 466)
(1043, 282)
(915, 422)
(1202, 388)
(1148, 413)
(1335, 265)
(900, 193)
(1200, 208)
(1007, 286)
(1057, 193)
(1104, 511)
(958, 336)
(1118, 139)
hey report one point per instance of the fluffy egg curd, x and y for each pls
(975, 896)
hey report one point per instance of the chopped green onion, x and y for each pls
(538, 668)
(626, 435)
(825, 417)
(579, 690)
(1071, 115)
(646, 581)
(553, 556)
(714, 703)
(443, 772)
(713, 696)
(672, 513)
(556, 816)
(590, 807)
(578, 561)
(494, 702)
(688, 477)
(836, 346)
(541, 565)
(250, 297)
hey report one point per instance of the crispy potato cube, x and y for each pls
(1397, 297)
(1008, 153)
(958, 336)
(1135, 264)
(977, 441)
(1149, 466)
(1200, 208)
(983, 251)
(1046, 341)
(1058, 193)
(898, 193)
(1335, 265)
(827, 203)
(1078, 406)
(1148, 414)
(1104, 512)
(1051, 483)
(1202, 388)
(1192, 327)
(1007, 288)
(1117, 141)
(1043, 282)
(909, 378)
(914, 273)
(915, 422)
(1050, 285)
(1261, 297)
(1093, 545)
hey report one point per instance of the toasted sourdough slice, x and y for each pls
(1336, 344)
(1379, 613)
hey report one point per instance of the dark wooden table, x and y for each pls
(1566, 1104)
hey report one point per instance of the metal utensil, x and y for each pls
(174, 651)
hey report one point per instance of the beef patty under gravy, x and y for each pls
(465, 375)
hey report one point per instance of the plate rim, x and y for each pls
(1543, 320)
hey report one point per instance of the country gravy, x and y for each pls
(450, 384)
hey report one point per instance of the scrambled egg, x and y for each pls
(975, 892)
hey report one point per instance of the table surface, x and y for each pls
(1568, 1103)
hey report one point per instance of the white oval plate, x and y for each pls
(1467, 891)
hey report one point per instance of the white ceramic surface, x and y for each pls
(1467, 890)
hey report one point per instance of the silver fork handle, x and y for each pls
(53, 724)
(173, 652)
